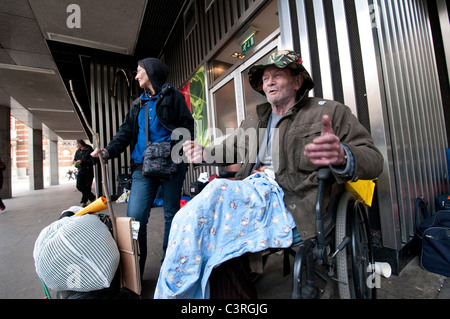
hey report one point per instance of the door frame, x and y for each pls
(236, 74)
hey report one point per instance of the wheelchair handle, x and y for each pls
(324, 174)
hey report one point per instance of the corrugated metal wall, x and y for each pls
(378, 58)
(413, 105)
(109, 105)
(216, 23)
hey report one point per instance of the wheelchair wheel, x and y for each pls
(354, 262)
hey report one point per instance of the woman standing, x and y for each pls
(167, 111)
(2, 168)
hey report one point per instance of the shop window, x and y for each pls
(219, 68)
(251, 33)
(224, 101)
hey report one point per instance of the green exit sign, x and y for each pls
(250, 42)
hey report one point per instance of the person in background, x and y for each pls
(2, 168)
(167, 111)
(85, 166)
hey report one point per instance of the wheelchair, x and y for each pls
(341, 253)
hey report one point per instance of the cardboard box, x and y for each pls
(129, 255)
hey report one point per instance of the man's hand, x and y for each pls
(193, 152)
(326, 149)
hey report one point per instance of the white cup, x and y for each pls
(383, 269)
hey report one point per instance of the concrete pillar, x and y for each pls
(5, 149)
(35, 159)
(53, 161)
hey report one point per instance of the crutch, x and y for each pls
(102, 164)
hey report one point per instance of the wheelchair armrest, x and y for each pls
(227, 174)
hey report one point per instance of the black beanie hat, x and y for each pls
(157, 72)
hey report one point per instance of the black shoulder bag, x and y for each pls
(158, 162)
(433, 236)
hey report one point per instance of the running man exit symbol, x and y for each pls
(250, 42)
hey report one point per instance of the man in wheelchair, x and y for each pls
(297, 135)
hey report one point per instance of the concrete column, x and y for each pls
(53, 160)
(5, 149)
(35, 159)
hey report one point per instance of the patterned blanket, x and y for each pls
(226, 220)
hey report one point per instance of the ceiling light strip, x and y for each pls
(50, 110)
(86, 43)
(25, 68)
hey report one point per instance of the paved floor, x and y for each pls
(28, 212)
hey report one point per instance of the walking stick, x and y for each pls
(102, 164)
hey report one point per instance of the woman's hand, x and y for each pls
(96, 152)
(193, 152)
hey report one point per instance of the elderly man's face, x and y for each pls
(280, 85)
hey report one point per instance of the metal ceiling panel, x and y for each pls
(159, 19)
(23, 45)
(27, 28)
(111, 23)
(37, 92)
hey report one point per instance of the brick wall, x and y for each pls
(21, 148)
(19, 151)
(66, 151)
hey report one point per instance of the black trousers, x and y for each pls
(232, 280)
(84, 185)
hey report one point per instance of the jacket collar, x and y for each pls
(263, 111)
(166, 87)
(145, 97)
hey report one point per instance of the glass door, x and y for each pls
(232, 98)
(224, 106)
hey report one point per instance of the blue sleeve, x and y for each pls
(349, 169)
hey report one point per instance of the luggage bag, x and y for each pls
(433, 237)
(121, 275)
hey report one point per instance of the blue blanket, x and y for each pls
(226, 220)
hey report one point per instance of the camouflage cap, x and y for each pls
(281, 59)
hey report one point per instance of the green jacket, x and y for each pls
(295, 174)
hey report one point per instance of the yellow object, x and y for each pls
(363, 190)
(96, 206)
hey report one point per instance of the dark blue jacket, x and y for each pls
(171, 110)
